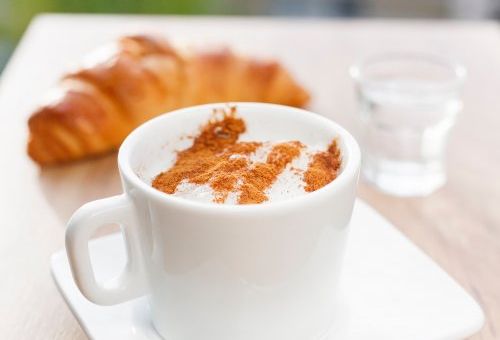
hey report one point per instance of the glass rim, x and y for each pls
(457, 70)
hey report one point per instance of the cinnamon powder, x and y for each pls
(323, 168)
(257, 179)
(217, 158)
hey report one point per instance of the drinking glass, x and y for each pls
(408, 103)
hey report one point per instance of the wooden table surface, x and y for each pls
(458, 226)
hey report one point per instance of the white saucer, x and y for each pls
(391, 290)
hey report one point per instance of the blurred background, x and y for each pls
(15, 15)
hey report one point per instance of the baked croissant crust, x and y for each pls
(94, 108)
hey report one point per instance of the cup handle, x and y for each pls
(130, 283)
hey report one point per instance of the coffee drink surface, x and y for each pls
(219, 168)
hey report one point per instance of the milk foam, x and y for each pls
(288, 184)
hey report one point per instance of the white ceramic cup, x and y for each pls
(223, 272)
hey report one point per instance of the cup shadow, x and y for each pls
(67, 187)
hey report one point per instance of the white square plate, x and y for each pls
(390, 289)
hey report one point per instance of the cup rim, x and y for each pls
(357, 71)
(350, 168)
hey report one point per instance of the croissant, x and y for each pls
(94, 108)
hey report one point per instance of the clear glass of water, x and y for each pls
(408, 103)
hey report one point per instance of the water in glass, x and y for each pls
(406, 117)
